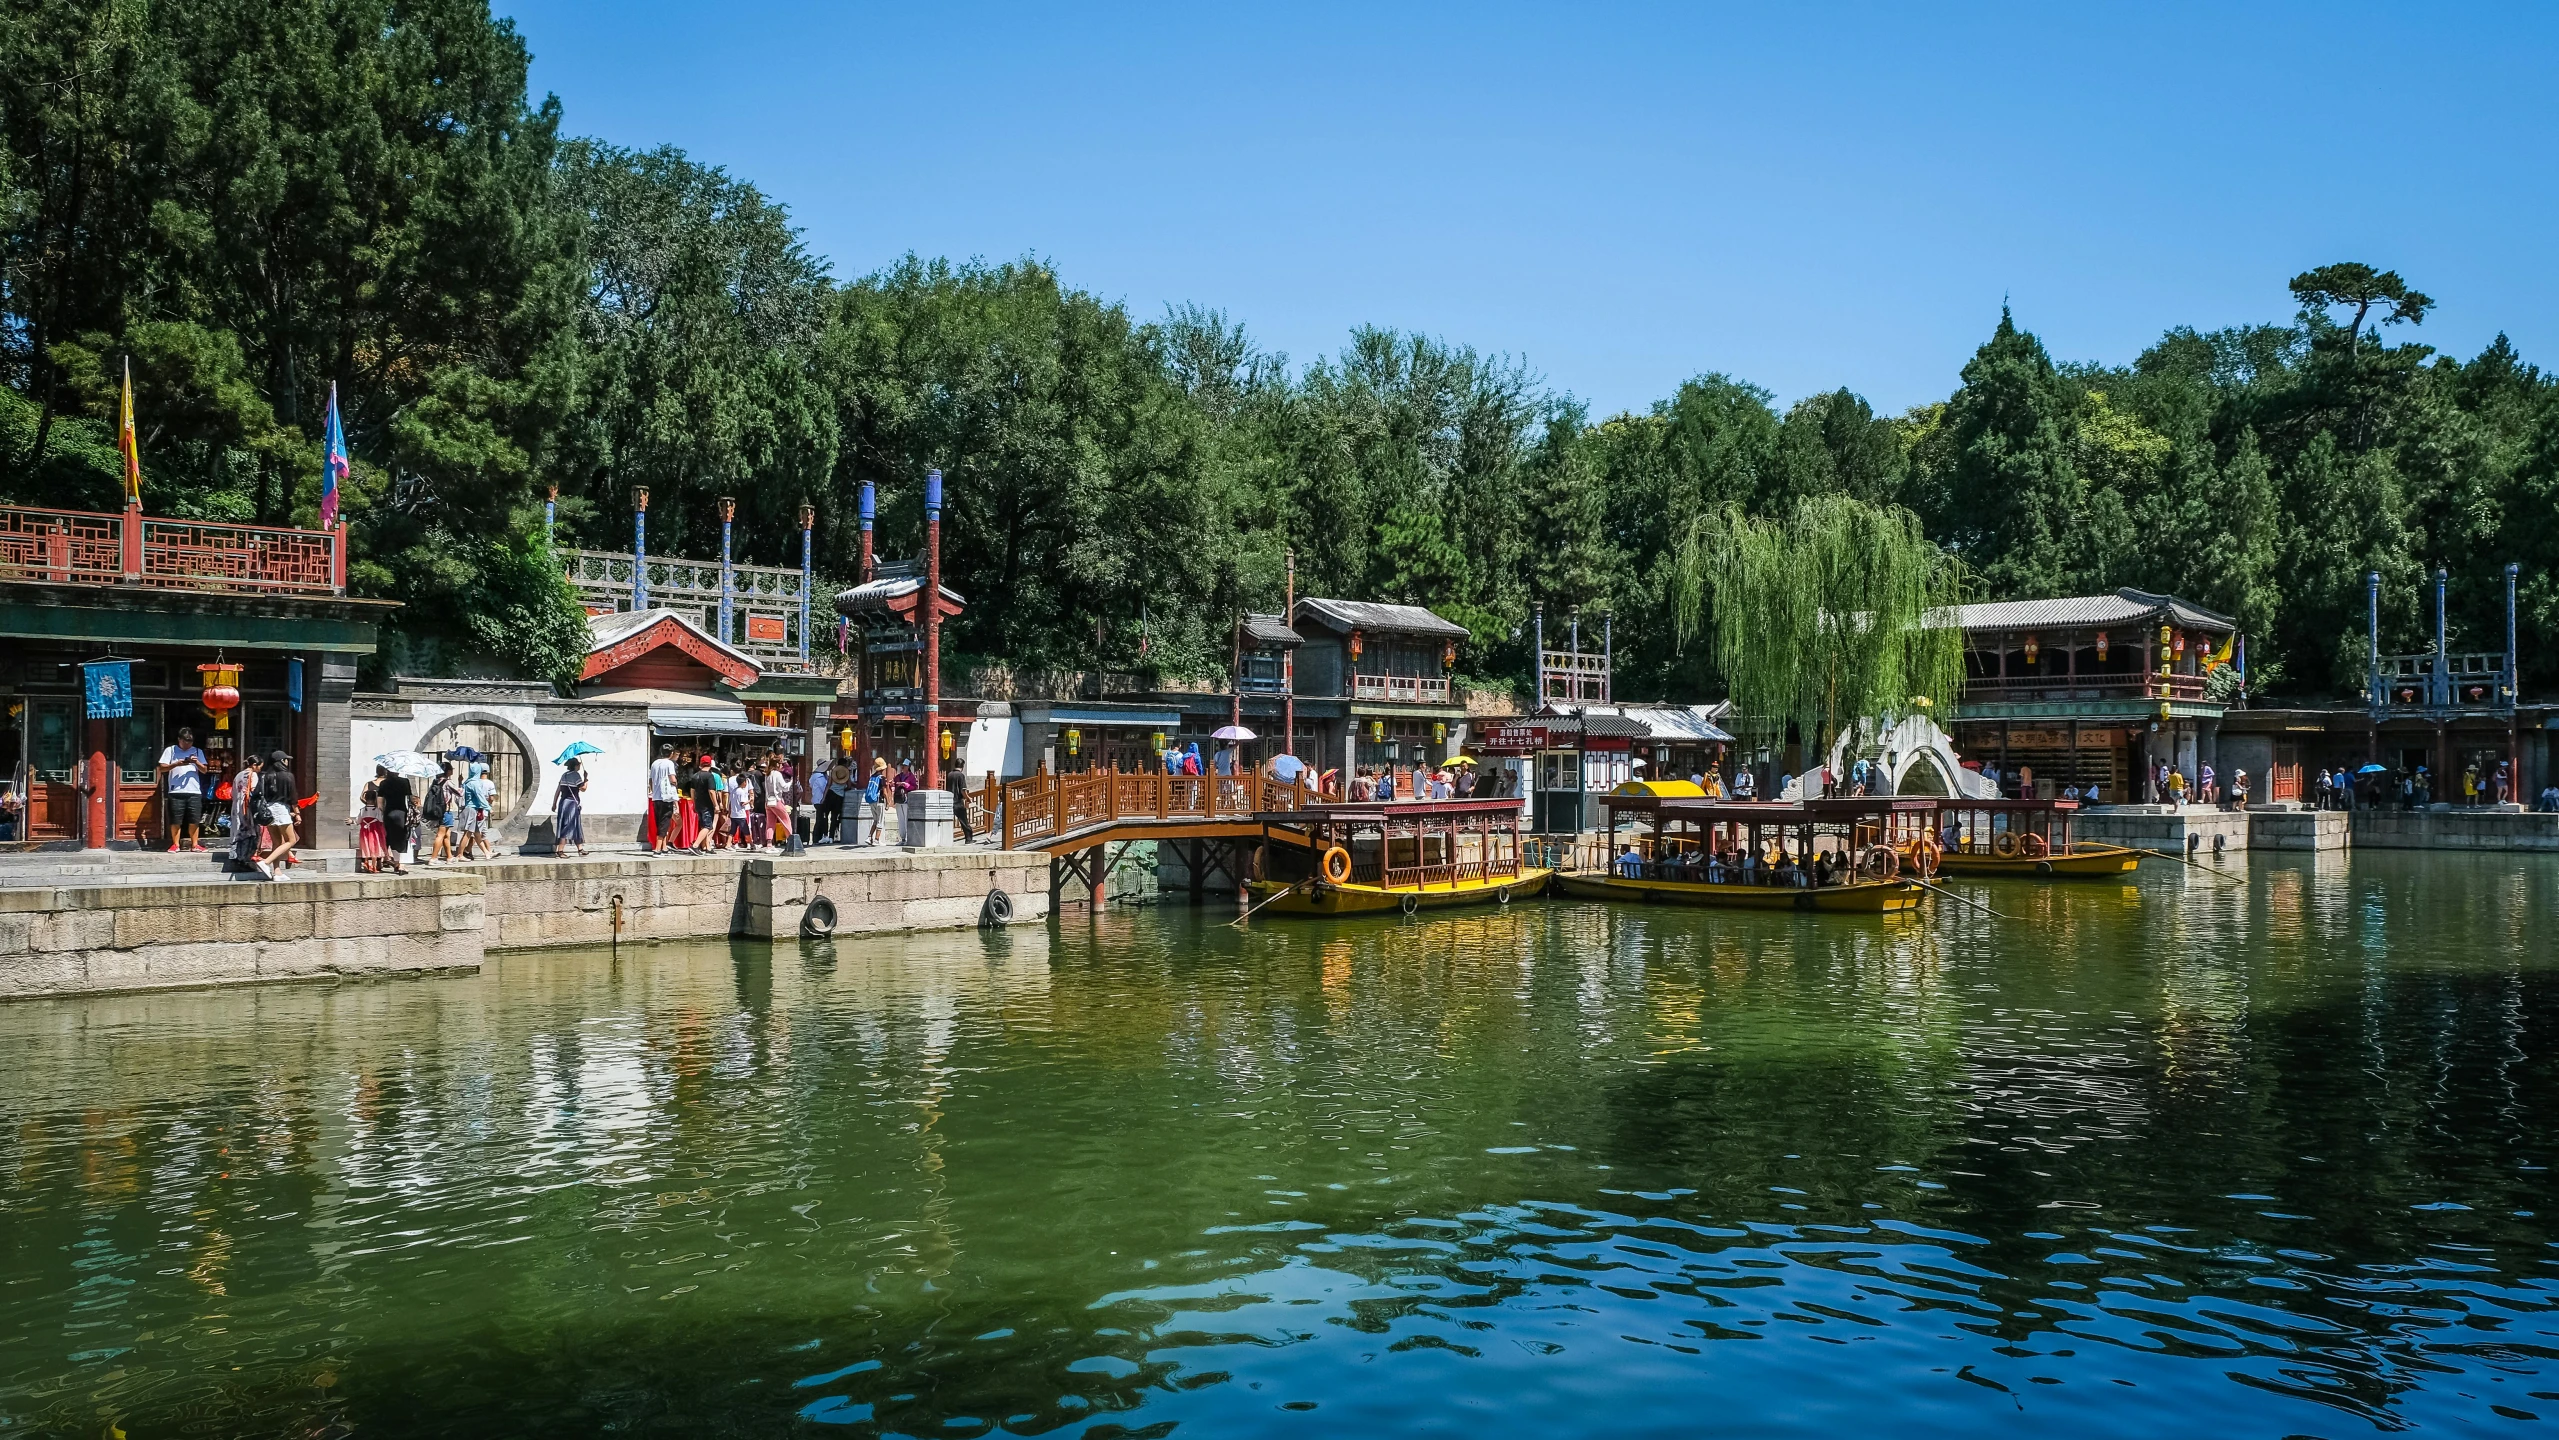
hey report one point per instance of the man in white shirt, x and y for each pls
(662, 798)
(182, 790)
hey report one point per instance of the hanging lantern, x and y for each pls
(1448, 655)
(2181, 643)
(1157, 739)
(1376, 731)
(221, 691)
(947, 744)
(844, 739)
(772, 717)
(1358, 643)
(1074, 741)
(1439, 733)
(2101, 647)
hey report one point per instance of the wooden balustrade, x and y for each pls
(1039, 808)
(83, 547)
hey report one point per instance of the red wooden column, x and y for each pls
(98, 807)
(1098, 862)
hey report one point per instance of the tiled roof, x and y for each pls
(2123, 607)
(874, 595)
(1391, 619)
(603, 630)
(1271, 630)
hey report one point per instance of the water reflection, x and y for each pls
(2266, 1157)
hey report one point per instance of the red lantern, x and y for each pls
(2101, 647)
(1357, 640)
(2032, 646)
(221, 691)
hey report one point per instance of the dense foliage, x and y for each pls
(256, 200)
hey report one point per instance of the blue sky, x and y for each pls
(1802, 196)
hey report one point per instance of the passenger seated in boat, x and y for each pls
(1631, 864)
(1715, 869)
(1821, 869)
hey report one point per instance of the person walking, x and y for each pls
(398, 800)
(839, 790)
(874, 796)
(959, 788)
(278, 811)
(821, 785)
(181, 773)
(369, 847)
(245, 830)
(780, 789)
(479, 797)
(704, 790)
(2503, 784)
(662, 800)
(568, 810)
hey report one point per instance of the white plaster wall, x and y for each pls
(617, 779)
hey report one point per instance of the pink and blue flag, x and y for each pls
(333, 466)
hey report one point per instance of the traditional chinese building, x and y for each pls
(1375, 685)
(2092, 689)
(140, 606)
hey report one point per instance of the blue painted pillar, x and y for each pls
(2443, 662)
(639, 547)
(808, 519)
(728, 604)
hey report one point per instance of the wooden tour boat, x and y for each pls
(2022, 837)
(1685, 847)
(1408, 855)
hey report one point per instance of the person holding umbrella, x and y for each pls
(568, 808)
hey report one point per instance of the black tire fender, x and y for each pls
(997, 911)
(817, 922)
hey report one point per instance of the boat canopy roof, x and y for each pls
(1966, 802)
(1712, 811)
(1661, 789)
(1378, 812)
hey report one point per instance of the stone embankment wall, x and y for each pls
(144, 937)
(63, 940)
(2450, 829)
(2157, 827)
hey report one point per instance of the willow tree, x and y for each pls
(1823, 617)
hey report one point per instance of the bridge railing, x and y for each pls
(1039, 809)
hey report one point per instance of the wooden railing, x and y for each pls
(79, 547)
(1406, 689)
(1038, 809)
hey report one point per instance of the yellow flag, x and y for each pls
(126, 442)
(2220, 657)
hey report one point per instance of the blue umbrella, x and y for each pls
(577, 749)
(2374, 770)
(464, 752)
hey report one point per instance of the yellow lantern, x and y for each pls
(1376, 731)
(1158, 739)
(844, 739)
(947, 744)
(1439, 734)
(2032, 646)
(1074, 741)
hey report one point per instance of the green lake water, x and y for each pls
(2176, 1157)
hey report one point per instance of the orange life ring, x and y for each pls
(1882, 862)
(1337, 864)
(2036, 847)
(1924, 857)
(2004, 845)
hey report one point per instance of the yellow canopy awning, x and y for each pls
(1660, 789)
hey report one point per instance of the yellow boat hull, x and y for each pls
(2084, 861)
(1317, 898)
(1870, 897)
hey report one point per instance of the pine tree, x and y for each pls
(2014, 498)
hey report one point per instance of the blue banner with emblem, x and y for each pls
(293, 684)
(108, 684)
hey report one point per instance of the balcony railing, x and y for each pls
(80, 547)
(765, 601)
(1400, 689)
(1572, 677)
(2477, 680)
(2012, 688)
